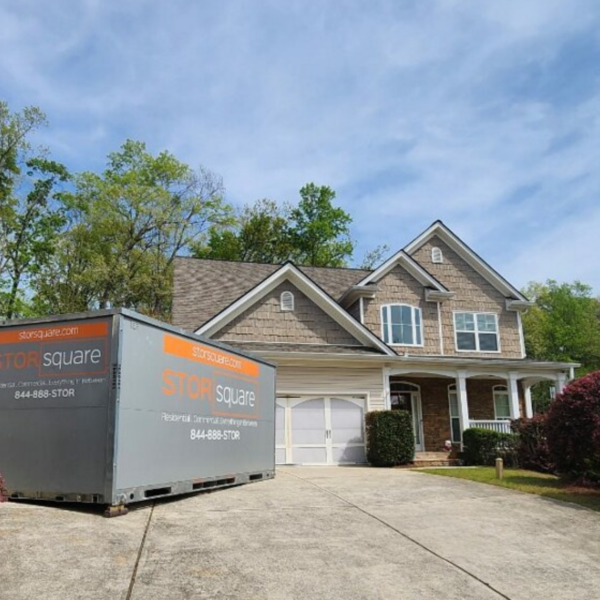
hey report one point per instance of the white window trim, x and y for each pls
(476, 331)
(289, 304)
(452, 389)
(413, 308)
(501, 389)
(437, 256)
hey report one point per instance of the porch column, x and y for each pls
(513, 395)
(561, 381)
(463, 404)
(528, 403)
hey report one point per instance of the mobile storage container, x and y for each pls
(111, 407)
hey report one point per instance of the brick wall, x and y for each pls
(473, 293)
(436, 408)
(266, 322)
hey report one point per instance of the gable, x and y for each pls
(441, 233)
(290, 273)
(264, 321)
(457, 274)
(202, 288)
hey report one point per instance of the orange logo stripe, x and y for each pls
(201, 353)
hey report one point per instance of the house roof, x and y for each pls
(289, 272)
(204, 287)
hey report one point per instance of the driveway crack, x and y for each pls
(405, 536)
(139, 554)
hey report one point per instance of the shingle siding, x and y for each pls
(266, 322)
(473, 294)
(398, 286)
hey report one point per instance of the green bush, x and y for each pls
(484, 446)
(390, 438)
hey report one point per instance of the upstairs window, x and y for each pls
(287, 301)
(501, 402)
(436, 255)
(477, 332)
(401, 324)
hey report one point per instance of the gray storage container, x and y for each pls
(112, 407)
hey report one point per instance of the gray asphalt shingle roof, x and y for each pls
(203, 287)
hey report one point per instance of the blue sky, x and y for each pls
(483, 114)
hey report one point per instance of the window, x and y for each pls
(436, 255)
(476, 331)
(401, 324)
(454, 414)
(501, 402)
(287, 301)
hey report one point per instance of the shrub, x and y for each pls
(484, 446)
(532, 444)
(390, 438)
(573, 428)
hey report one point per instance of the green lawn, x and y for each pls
(526, 481)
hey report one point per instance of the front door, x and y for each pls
(405, 396)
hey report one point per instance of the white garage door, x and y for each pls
(323, 430)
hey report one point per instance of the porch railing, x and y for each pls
(499, 426)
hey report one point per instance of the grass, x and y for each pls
(530, 482)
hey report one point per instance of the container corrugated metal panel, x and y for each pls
(112, 407)
(342, 380)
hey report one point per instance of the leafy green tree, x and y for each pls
(258, 234)
(125, 228)
(319, 232)
(563, 325)
(313, 233)
(31, 211)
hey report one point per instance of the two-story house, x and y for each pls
(434, 330)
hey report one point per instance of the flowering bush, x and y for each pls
(573, 429)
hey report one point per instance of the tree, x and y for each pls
(313, 233)
(31, 212)
(319, 233)
(258, 234)
(374, 257)
(562, 326)
(125, 228)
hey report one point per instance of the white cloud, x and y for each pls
(412, 111)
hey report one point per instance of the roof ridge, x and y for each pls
(267, 264)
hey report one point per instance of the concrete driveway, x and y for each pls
(311, 533)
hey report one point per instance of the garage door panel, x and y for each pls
(308, 422)
(347, 420)
(280, 425)
(348, 454)
(310, 455)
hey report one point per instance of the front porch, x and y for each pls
(445, 403)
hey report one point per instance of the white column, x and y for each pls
(528, 403)
(561, 381)
(386, 388)
(513, 395)
(463, 403)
